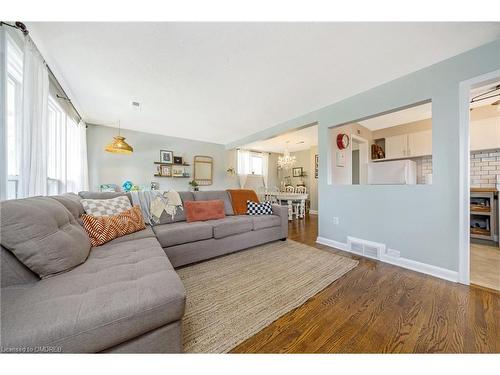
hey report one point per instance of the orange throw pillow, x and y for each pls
(239, 198)
(204, 210)
(102, 229)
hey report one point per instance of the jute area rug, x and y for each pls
(231, 298)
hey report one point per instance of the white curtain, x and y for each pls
(3, 119)
(76, 165)
(265, 168)
(243, 166)
(33, 146)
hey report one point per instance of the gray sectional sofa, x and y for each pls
(123, 296)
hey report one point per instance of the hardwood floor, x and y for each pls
(380, 308)
(485, 266)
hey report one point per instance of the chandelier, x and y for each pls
(286, 161)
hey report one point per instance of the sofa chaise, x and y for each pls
(125, 296)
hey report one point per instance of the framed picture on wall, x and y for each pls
(316, 159)
(166, 156)
(297, 171)
(165, 170)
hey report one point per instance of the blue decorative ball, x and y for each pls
(127, 186)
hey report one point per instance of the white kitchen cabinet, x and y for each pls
(408, 145)
(396, 146)
(420, 143)
(485, 134)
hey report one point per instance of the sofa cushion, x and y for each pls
(145, 233)
(215, 195)
(204, 210)
(13, 272)
(72, 202)
(43, 235)
(231, 225)
(122, 291)
(266, 221)
(102, 229)
(180, 214)
(182, 232)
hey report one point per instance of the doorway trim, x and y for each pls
(364, 142)
(464, 171)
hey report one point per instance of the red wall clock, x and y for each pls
(342, 141)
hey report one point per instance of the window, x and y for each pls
(14, 107)
(64, 143)
(62, 157)
(250, 162)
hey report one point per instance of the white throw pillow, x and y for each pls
(106, 207)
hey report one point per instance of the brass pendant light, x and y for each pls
(118, 145)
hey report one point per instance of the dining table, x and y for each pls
(290, 199)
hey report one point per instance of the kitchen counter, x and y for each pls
(483, 190)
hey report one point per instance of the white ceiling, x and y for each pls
(404, 116)
(220, 82)
(296, 140)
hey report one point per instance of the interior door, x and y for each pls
(420, 143)
(396, 146)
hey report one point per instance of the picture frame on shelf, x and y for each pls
(166, 156)
(178, 172)
(166, 171)
(297, 171)
(178, 160)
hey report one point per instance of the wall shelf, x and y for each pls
(160, 175)
(180, 165)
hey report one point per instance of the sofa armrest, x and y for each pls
(282, 212)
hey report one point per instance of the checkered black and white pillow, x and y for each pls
(264, 208)
(106, 207)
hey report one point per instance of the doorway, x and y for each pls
(479, 262)
(359, 160)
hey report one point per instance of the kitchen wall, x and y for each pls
(420, 221)
(485, 168)
(107, 168)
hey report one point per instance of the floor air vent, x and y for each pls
(366, 248)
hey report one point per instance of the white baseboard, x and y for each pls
(332, 243)
(314, 212)
(413, 265)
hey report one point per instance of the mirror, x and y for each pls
(203, 169)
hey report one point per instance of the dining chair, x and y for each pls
(301, 190)
(289, 189)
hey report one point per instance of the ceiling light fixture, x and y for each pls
(286, 161)
(118, 145)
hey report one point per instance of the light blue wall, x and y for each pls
(421, 221)
(107, 168)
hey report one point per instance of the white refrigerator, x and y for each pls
(396, 172)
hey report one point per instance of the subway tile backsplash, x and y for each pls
(485, 168)
(424, 167)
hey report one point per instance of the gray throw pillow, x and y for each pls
(43, 235)
(106, 207)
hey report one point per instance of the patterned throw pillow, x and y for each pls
(102, 229)
(102, 207)
(264, 208)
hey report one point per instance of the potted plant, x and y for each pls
(194, 185)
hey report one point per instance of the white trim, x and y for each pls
(331, 243)
(314, 212)
(413, 265)
(464, 172)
